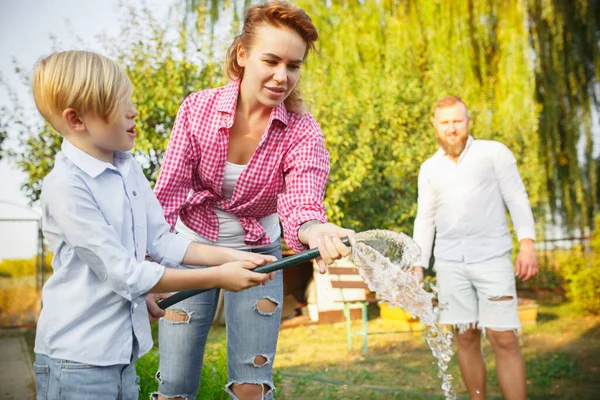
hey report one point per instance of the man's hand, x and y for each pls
(326, 237)
(154, 311)
(527, 264)
(418, 273)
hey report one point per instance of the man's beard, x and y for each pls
(453, 150)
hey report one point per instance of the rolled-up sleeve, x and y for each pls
(74, 211)
(306, 169)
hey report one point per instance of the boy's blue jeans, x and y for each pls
(62, 379)
(251, 332)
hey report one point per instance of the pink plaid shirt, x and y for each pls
(287, 174)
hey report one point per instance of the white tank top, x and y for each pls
(231, 232)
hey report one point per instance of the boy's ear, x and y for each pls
(73, 120)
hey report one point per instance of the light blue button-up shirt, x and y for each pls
(100, 221)
(463, 204)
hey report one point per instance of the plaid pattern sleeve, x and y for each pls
(306, 169)
(175, 179)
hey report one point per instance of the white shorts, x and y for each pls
(479, 295)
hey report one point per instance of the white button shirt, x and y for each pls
(463, 204)
(100, 220)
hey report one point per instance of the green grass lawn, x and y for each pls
(561, 354)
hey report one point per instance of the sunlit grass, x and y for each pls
(561, 353)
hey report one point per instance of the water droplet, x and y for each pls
(384, 260)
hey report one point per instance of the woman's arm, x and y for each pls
(300, 207)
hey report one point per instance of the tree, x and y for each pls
(565, 37)
(526, 68)
(382, 66)
(163, 70)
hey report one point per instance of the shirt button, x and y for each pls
(134, 193)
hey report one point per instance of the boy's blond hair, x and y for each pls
(90, 83)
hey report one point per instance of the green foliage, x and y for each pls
(163, 69)
(163, 73)
(374, 85)
(582, 274)
(526, 68)
(3, 130)
(565, 37)
(551, 273)
(38, 160)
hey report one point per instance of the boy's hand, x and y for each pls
(236, 276)
(154, 311)
(256, 259)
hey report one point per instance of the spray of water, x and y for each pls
(385, 260)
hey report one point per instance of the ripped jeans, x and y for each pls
(251, 333)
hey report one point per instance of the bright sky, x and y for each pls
(25, 30)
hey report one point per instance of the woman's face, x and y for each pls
(272, 65)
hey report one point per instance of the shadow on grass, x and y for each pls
(546, 317)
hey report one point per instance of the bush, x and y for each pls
(582, 275)
(19, 301)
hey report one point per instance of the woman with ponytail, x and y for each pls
(241, 159)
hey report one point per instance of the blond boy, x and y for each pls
(101, 218)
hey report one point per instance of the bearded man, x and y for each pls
(463, 190)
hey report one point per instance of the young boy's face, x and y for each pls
(103, 137)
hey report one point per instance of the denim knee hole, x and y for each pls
(174, 316)
(261, 360)
(266, 306)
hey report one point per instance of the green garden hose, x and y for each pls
(270, 267)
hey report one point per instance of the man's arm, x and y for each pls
(424, 229)
(516, 199)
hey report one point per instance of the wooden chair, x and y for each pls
(340, 279)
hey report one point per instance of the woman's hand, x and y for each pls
(327, 238)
